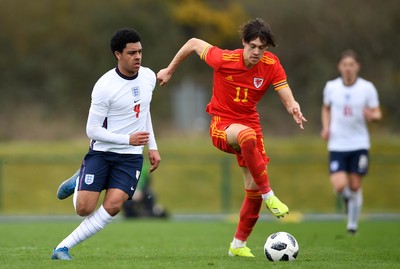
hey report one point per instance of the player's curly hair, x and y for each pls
(121, 37)
(257, 28)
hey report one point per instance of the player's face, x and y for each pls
(130, 59)
(348, 68)
(253, 52)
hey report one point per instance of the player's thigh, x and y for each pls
(224, 134)
(355, 181)
(86, 202)
(339, 180)
(358, 167)
(232, 133)
(338, 169)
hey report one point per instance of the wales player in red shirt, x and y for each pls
(241, 78)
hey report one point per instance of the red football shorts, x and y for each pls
(218, 136)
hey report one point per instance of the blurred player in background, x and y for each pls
(349, 102)
(119, 126)
(241, 78)
(144, 200)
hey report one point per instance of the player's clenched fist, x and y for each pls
(163, 76)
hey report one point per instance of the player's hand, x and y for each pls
(298, 117)
(155, 159)
(163, 76)
(139, 138)
(372, 114)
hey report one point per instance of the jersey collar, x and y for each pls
(126, 77)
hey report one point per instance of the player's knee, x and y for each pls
(83, 210)
(112, 208)
(339, 188)
(247, 136)
(355, 187)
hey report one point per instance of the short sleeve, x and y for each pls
(212, 56)
(326, 95)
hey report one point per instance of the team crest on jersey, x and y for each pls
(136, 93)
(89, 178)
(258, 82)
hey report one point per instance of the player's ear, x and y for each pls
(243, 42)
(117, 54)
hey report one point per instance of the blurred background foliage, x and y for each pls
(52, 53)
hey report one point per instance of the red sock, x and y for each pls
(255, 163)
(248, 214)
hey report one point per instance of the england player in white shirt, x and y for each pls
(349, 102)
(119, 126)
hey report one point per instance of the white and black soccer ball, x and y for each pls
(281, 246)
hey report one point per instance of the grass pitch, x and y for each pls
(198, 244)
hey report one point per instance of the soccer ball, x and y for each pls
(281, 246)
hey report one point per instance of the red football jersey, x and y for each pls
(236, 89)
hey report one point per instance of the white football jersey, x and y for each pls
(121, 106)
(348, 129)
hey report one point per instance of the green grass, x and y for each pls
(194, 244)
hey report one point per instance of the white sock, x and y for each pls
(265, 196)
(236, 243)
(354, 209)
(90, 226)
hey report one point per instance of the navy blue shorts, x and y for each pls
(105, 170)
(349, 161)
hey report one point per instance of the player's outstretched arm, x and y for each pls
(325, 120)
(192, 45)
(292, 106)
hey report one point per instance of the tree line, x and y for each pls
(54, 51)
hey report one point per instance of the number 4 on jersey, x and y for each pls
(136, 108)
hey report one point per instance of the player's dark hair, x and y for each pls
(257, 28)
(122, 37)
(349, 53)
